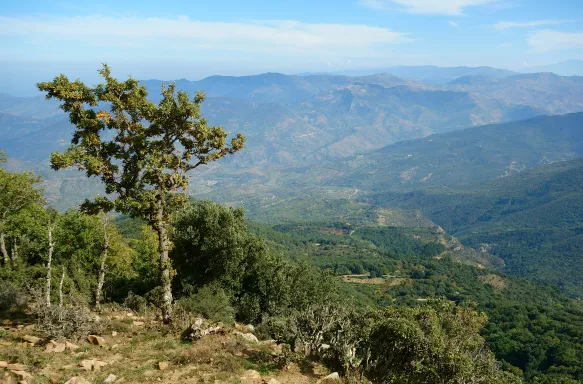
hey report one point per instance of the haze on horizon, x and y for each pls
(171, 40)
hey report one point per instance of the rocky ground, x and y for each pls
(139, 349)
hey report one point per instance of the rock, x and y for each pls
(77, 380)
(333, 377)
(110, 379)
(138, 323)
(163, 365)
(31, 339)
(251, 328)
(96, 340)
(92, 364)
(197, 330)
(71, 346)
(273, 381)
(16, 367)
(3, 364)
(114, 333)
(250, 376)
(249, 337)
(130, 314)
(54, 347)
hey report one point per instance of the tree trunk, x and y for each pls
(3, 249)
(14, 254)
(49, 262)
(61, 287)
(104, 253)
(165, 265)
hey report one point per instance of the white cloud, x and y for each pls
(436, 7)
(547, 40)
(184, 34)
(454, 24)
(502, 25)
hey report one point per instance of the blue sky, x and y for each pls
(192, 39)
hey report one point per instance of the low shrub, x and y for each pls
(135, 302)
(210, 302)
(11, 296)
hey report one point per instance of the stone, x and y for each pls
(110, 379)
(16, 367)
(3, 364)
(70, 346)
(114, 333)
(31, 339)
(333, 377)
(163, 365)
(273, 381)
(249, 337)
(92, 364)
(138, 323)
(96, 340)
(250, 376)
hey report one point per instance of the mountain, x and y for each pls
(565, 68)
(532, 220)
(474, 154)
(441, 75)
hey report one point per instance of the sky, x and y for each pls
(172, 39)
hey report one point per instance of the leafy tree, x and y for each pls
(17, 193)
(141, 151)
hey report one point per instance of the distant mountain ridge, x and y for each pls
(465, 156)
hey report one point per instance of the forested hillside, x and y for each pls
(475, 154)
(532, 220)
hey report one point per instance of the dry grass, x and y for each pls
(133, 353)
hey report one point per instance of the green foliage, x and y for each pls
(210, 302)
(155, 156)
(436, 343)
(212, 245)
(135, 302)
(532, 220)
(11, 296)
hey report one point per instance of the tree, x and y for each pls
(141, 151)
(17, 192)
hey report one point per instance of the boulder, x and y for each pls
(71, 346)
(249, 337)
(92, 364)
(31, 339)
(163, 365)
(110, 379)
(96, 340)
(331, 378)
(198, 330)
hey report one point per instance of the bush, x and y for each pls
(69, 321)
(11, 297)
(135, 302)
(211, 302)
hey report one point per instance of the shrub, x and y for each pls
(69, 321)
(210, 302)
(135, 302)
(11, 297)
